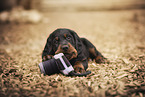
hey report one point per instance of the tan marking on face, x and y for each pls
(56, 38)
(59, 50)
(65, 35)
(71, 51)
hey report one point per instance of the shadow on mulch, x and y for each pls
(10, 77)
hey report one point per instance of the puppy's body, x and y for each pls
(77, 50)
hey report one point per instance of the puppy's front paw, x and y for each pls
(101, 59)
(79, 70)
(47, 57)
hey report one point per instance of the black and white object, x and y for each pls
(48, 67)
(63, 64)
(59, 64)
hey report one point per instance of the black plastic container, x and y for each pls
(56, 65)
(59, 64)
(49, 67)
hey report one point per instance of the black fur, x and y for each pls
(85, 49)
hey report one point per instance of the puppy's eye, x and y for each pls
(68, 38)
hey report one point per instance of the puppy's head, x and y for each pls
(64, 41)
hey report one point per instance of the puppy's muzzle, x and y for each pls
(65, 47)
(68, 50)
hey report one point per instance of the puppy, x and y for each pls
(77, 50)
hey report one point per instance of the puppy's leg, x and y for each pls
(47, 57)
(80, 66)
(47, 52)
(93, 52)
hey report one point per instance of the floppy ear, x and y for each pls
(48, 47)
(78, 45)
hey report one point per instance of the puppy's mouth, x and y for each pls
(70, 53)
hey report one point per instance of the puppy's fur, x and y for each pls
(77, 50)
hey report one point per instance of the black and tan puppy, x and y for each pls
(77, 50)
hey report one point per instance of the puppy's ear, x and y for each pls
(78, 45)
(48, 47)
(77, 41)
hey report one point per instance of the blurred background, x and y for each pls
(69, 5)
(102, 18)
(27, 10)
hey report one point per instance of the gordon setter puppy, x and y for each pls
(77, 50)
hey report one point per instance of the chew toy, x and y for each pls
(59, 64)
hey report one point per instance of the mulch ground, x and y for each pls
(119, 35)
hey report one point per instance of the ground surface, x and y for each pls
(119, 35)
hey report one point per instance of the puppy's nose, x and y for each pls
(65, 47)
